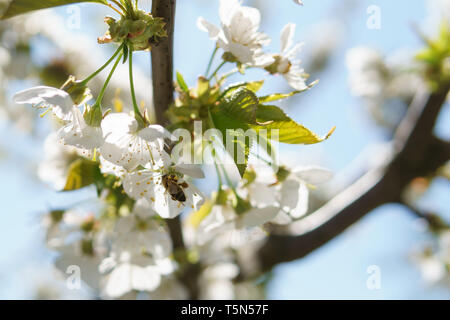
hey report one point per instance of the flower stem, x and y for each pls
(226, 75)
(119, 5)
(219, 176)
(211, 61)
(105, 85)
(85, 81)
(133, 93)
(129, 8)
(217, 70)
(228, 180)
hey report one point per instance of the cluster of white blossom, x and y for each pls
(434, 261)
(387, 85)
(239, 37)
(127, 249)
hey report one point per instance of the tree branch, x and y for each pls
(416, 153)
(162, 60)
(163, 96)
(162, 75)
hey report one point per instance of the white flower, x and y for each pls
(57, 159)
(79, 134)
(54, 167)
(75, 255)
(57, 100)
(216, 282)
(294, 192)
(220, 219)
(289, 196)
(128, 146)
(223, 218)
(286, 62)
(59, 225)
(367, 72)
(107, 167)
(300, 2)
(166, 190)
(257, 216)
(239, 34)
(140, 256)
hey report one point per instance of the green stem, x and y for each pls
(217, 70)
(262, 159)
(105, 85)
(226, 75)
(119, 5)
(227, 178)
(85, 81)
(211, 61)
(130, 9)
(219, 176)
(133, 93)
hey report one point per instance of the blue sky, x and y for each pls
(384, 238)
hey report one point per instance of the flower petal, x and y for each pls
(256, 217)
(191, 170)
(59, 100)
(207, 26)
(194, 197)
(77, 133)
(119, 281)
(313, 174)
(294, 198)
(287, 36)
(154, 132)
(145, 279)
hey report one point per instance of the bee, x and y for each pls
(175, 189)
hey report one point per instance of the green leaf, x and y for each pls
(202, 86)
(253, 86)
(17, 7)
(241, 105)
(82, 173)
(289, 131)
(125, 53)
(182, 83)
(280, 96)
(222, 121)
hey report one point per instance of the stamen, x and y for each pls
(110, 5)
(44, 113)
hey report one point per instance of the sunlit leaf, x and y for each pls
(240, 144)
(182, 83)
(253, 86)
(82, 173)
(289, 131)
(241, 105)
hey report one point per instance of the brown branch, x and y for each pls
(163, 97)
(162, 60)
(416, 153)
(162, 75)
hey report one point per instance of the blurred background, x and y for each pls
(63, 41)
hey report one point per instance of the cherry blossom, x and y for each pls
(286, 62)
(128, 145)
(166, 190)
(79, 134)
(140, 255)
(58, 101)
(239, 35)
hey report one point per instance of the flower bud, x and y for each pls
(93, 115)
(79, 93)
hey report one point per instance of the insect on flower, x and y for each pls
(174, 188)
